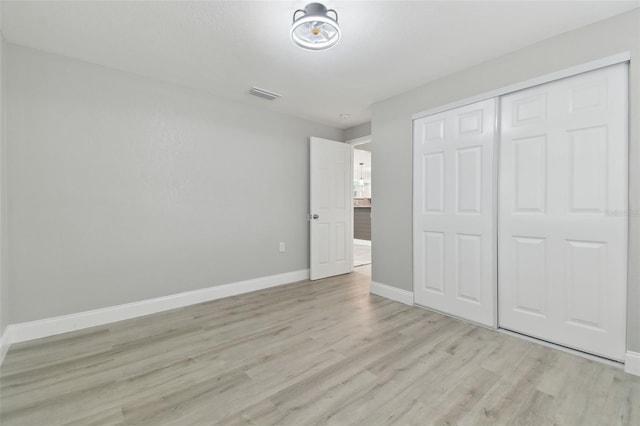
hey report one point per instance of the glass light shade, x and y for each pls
(315, 30)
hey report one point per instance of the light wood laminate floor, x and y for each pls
(361, 254)
(323, 352)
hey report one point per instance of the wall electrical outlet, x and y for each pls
(281, 247)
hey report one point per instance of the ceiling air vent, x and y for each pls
(264, 94)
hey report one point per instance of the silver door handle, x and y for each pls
(315, 216)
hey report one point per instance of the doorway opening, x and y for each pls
(362, 202)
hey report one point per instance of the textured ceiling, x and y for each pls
(225, 47)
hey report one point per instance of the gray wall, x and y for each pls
(357, 131)
(122, 188)
(392, 133)
(4, 290)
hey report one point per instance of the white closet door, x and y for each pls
(563, 212)
(453, 230)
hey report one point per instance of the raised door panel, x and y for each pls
(586, 266)
(590, 94)
(433, 183)
(470, 123)
(433, 130)
(530, 275)
(469, 264)
(323, 238)
(340, 238)
(529, 110)
(433, 263)
(529, 174)
(469, 180)
(588, 169)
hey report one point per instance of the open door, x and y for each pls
(331, 223)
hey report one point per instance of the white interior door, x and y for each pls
(563, 212)
(453, 230)
(331, 208)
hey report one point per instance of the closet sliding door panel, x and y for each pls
(562, 212)
(454, 243)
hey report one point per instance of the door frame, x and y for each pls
(632, 361)
(546, 78)
(359, 141)
(355, 142)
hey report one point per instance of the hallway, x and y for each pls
(361, 253)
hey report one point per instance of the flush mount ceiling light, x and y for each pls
(315, 29)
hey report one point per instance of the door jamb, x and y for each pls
(355, 142)
(359, 141)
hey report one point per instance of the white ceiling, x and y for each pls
(225, 47)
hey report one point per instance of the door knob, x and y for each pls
(315, 216)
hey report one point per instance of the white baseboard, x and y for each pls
(632, 363)
(57, 325)
(5, 342)
(393, 293)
